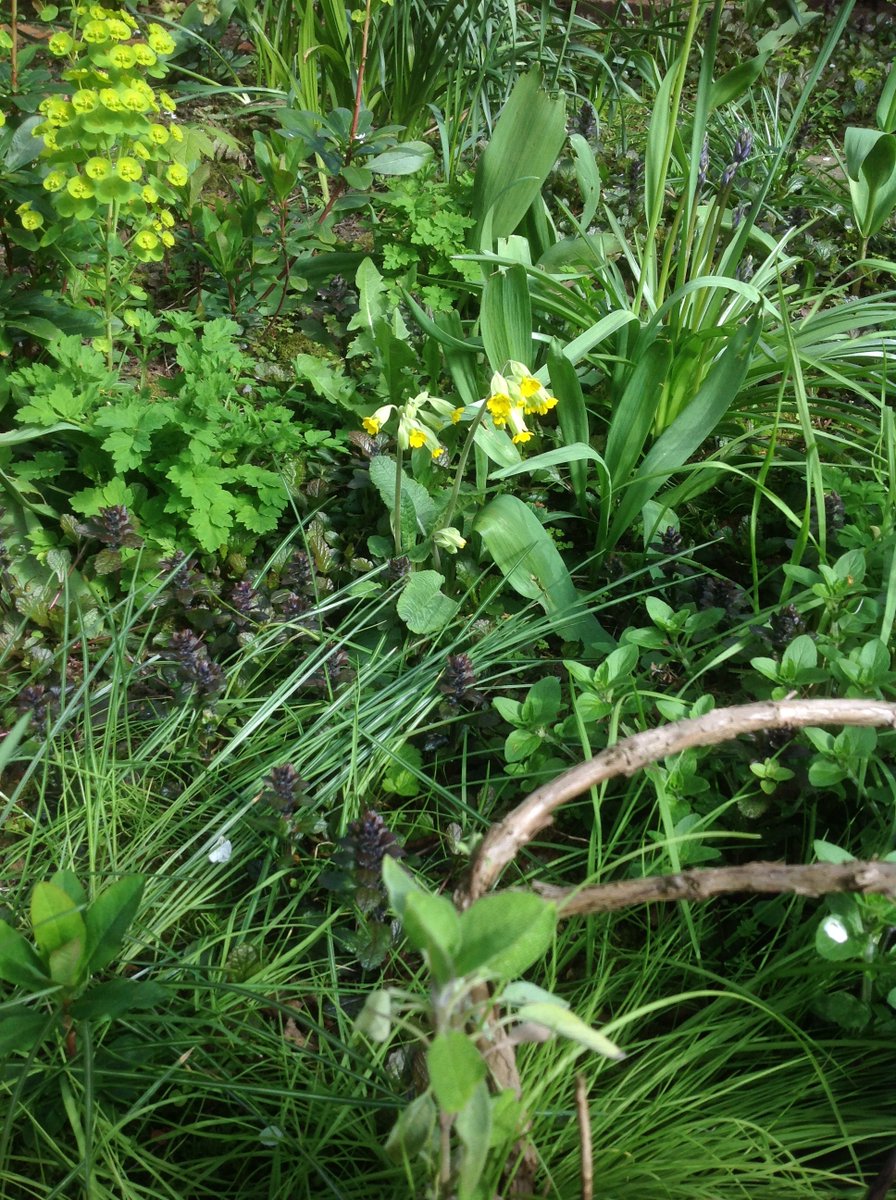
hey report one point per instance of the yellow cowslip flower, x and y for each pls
(85, 100)
(456, 414)
(79, 188)
(61, 44)
(176, 175)
(144, 56)
(374, 423)
(122, 58)
(158, 134)
(95, 32)
(150, 195)
(414, 434)
(159, 40)
(98, 168)
(516, 422)
(449, 539)
(129, 169)
(55, 181)
(541, 404)
(500, 406)
(534, 395)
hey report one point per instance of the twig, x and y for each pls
(885, 1179)
(815, 879)
(583, 1117)
(504, 840)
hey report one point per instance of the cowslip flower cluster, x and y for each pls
(110, 142)
(420, 421)
(513, 396)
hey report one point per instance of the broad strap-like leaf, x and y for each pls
(690, 429)
(531, 563)
(526, 143)
(506, 317)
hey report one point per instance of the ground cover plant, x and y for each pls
(400, 406)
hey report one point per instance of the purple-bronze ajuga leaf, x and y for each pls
(113, 527)
(38, 700)
(194, 666)
(286, 787)
(298, 574)
(249, 604)
(332, 673)
(369, 841)
(743, 147)
(458, 681)
(671, 542)
(786, 624)
(721, 593)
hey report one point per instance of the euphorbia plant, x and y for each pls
(111, 150)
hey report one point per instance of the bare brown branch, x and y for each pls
(816, 879)
(506, 839)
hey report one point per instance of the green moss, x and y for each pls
(283, 342)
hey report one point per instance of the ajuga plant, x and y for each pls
(355, 872)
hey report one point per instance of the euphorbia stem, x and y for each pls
(14, 49)
(107, 280)
(359, 87)
(339, 185)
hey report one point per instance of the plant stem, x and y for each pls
(339, 185)
(461, 466)
(107, 279)
(656, 208)
(860, 274)
(14, 49)
(396, 515)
